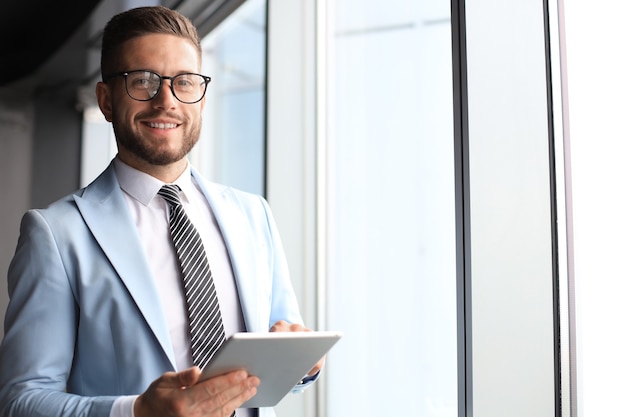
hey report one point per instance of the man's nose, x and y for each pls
(165, 97)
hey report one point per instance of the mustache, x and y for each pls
(155, 114)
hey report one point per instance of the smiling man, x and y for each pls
(109, 315)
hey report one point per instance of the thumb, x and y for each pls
(187, 377)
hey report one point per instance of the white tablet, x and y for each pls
(279, 359)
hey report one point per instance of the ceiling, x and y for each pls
(34, 30)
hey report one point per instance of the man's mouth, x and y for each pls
(162, 125)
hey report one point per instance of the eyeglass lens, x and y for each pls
(144, 85)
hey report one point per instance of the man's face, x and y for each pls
(163, 130)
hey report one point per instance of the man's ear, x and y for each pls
(103, 95)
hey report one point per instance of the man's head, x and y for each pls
(151, 90)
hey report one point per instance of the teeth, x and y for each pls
(162, 125)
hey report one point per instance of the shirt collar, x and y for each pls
(143, 187)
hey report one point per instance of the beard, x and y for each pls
(149, 150)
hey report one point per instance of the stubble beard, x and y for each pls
(149, 151)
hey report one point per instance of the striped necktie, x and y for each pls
(205, 319)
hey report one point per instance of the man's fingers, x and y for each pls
(283, 326)
(225, 391)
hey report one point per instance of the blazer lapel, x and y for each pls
(239, 242)
(105, 212)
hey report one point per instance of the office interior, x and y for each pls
(446, 177)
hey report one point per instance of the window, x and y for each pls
(391, 272)
(384, 219)
(231, 149)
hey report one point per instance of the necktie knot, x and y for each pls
(170, 192)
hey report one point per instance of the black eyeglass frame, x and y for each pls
(125, 74)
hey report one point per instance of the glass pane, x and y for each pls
(232, 148)
(391, 219)
(512, 270)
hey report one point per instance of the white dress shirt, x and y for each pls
(150, 213)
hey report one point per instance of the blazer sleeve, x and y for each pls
(36, 353)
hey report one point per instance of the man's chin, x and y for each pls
(164, 159)
(157, 152)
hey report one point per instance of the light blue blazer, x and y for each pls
(84, 322)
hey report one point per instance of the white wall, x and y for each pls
(595, 88)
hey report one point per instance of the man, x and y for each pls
(97, 322)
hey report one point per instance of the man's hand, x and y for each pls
(179, 394)
(283, 326)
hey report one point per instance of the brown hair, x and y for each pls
(142, 21)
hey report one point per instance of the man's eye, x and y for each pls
(184, 83)
(141, 83)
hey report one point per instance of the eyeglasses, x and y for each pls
(144, 85)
